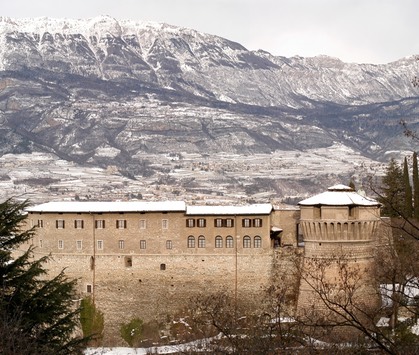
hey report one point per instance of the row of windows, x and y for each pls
(229, 242)
(190, 223)
(100, 224)
(223, 222)
(99, 244)
(219, 243)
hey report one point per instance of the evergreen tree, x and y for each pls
(415, 187)
(92, 321)
(392, 196)
(408, 206)
(37, 314)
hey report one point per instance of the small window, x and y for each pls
(246, 222)
(165, 223)
(89, 288)
(162, 267)
(229, 222)
(100, 224)
(218, 241)
(229, 242)
(202, 222)
(59, 224)
(257, 222)
(79, 244)
(317, 213)
(41, 243)
(78, 224)
(40, 223)
(128, 261)
(191, 241)
(353, 212)
(100, 245)
(143, 244)
(143, 224)
(257, 242)
(121, 244)
(121, 224)
(190, 223)
(61, 244)
(201, 241)
(247, 242)
(169, 244)
(218, 222)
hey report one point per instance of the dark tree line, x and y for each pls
(38, 313)
(399, 192)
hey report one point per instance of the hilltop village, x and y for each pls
(145, 259)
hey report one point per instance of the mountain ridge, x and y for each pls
(126, 95)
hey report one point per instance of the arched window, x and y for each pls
(257, 242)
(218, 241)
(247, 242)
(229, 242)
(201, 241)
(191, 241)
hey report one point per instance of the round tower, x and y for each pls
(339, 228)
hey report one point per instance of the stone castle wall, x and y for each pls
(145, 276)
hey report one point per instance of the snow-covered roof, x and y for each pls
(265, 208)
(118, 206)
(339, 195)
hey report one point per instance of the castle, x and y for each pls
(145, 259)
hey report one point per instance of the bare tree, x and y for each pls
(347, 308)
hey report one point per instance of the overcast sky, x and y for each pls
(361, 31)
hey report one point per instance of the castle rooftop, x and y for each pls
(107, 206)
(260, 209)
(339, 195)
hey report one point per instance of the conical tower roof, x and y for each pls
(339, 195)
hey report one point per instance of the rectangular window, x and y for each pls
(246, 222)
(79, 244)
(40, 223)
(100, 245)
(353, 212)
(59, 224)
(100, 224)
(78, 224)
(190, 223)
(169, 244)
(89, 288)
(121, 224)
(165, 223)
(229, 222)
(41, 243)
(218, 222)
(143, 224)
(257, 222)
(61, 244)
(202, 222)
(143, 244)
(121, 244)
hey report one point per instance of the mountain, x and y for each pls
(149, 101)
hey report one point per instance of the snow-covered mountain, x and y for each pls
(106, 92)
